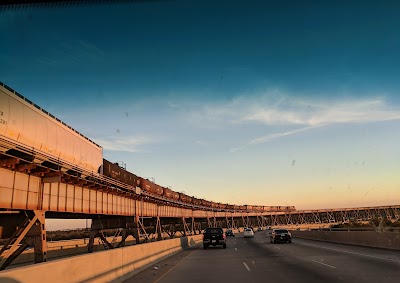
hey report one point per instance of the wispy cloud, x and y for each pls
(128, 144)
(270, 137)
(275, 108)
(314, 114)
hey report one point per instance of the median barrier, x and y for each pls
(114, 265)
(385, 240)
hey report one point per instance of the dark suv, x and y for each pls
(280, 235)
(214, 237)
(229, 232)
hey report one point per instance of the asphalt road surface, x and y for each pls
(257, 260)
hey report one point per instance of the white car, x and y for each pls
(248, 233)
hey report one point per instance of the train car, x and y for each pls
(157, 189)
(115, 171)
(168, 193)
(146, 185)
(222, 205)
(258, 208)
(236, 207)
(248, 207)
(196, 201)
(185, 198)
(112, 170)
(205, 203)
(242, 207)
(229, 206)
(25, 122)
(214, 204)
(175, 195)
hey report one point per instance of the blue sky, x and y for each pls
(262, 102)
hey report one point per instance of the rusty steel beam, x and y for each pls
(31, 232)
(9, 161)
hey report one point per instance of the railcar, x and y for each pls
(196, 201)
(24, 122)
(185, 198)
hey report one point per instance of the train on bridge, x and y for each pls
(24, 123)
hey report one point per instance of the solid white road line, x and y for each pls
(378, 257)
(247, 267)
(331, 266)
(235, 249)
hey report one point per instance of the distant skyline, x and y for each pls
(246, 102)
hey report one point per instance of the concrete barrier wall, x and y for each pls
(64, 248)
(106, 266)
(386, 240)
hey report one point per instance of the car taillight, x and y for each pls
(224, 236)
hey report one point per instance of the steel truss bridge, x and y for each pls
(33, 189)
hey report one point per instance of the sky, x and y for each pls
(245, 102)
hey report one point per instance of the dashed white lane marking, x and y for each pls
(378, 257)
(277, 247)
(331, 266)
(235, 249)
(247, 267)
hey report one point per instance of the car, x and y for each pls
(280, 235)
(248, 233)
(229, 232)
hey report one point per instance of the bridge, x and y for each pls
(31, 192)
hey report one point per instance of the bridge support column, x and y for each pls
(245, 221)
(129, 230)
(171, 231)
(30, 232)
(186, 229)
(141, 230)
(260, 222)
(158, 229)
(96, 230)
(37, 238)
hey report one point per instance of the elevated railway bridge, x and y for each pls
(30, 193)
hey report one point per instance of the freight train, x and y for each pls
(24, 122)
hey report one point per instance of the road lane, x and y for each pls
(202, 265)
(257, 260)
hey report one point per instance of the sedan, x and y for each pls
(248, 233)
(280, 235)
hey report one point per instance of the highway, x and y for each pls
(257, 260)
